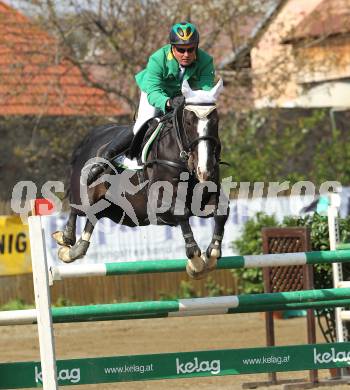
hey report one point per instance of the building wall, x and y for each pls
(273, 63)
(327, 60)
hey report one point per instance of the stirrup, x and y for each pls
(94, 173)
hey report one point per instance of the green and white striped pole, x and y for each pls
(228, 262)
(188, 307)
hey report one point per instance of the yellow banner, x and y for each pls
(14, 246)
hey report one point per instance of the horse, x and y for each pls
(179, 178)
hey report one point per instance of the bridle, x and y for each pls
(185, 145)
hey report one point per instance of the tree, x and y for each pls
(111, 40)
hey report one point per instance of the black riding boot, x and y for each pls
(99, 168)
(136, 143)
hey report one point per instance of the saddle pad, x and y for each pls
(148, 144)
(122, 162)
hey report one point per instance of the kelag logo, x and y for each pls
(331, 357)
(198, 366)
(72, 375)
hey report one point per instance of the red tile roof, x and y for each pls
(328, 18)
(33, 81)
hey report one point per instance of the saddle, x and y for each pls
(125, 144)
(141, 137)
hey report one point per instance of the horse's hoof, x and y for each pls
(211, 261)
(193, 274)
(214, 253)
(209, 264)
(195, 267)
(58, 237)
(64, 254)
(62, 240)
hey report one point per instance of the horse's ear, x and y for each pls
(186, 89)
(215, 91)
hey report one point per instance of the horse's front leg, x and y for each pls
(195, 264)
(213, 252)
(67, 237)
(221, 212)
(78, 250)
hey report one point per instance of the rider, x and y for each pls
(160, 82)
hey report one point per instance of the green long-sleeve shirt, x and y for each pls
(161, 81)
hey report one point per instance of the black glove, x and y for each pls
(177, 101)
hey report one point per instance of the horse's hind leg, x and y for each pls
(195, 264)
(78, 250)
(67, 237)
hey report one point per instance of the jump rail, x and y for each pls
(169, 365)
(179, 265)
(113, 312)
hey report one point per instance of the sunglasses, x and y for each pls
(183, 50)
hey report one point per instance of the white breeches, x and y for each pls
(145, 112)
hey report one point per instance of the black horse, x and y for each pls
(179, 179)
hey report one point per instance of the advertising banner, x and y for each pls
(14, 246)
(180, 365)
